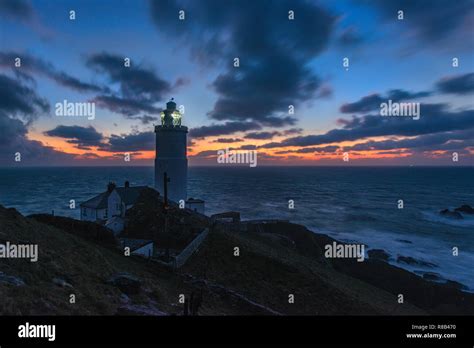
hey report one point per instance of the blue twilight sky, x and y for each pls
(283, 62)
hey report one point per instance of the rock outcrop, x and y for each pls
(465, 209)
(451, 214)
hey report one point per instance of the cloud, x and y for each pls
(434, 118)
(10, 129)
(261, 135)
(319, 150)
(147, 119)
(440, 141)
(292, 131)
(424, 17)
(19, 107)
(36, 65)
(17, 99)
(350, 37)
(270, 135)
(227, 140)
(13, 139)
(135, 81)
(126, 107)
(274, 52)
(83, 137)
(373, 101)
(139, 87)
(144, 141)
(205, 154)
(223, 129)
(247, 147)
(17, 9)
(459, 84)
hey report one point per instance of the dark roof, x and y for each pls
(98, 202)
(129, 195)
(134, 244)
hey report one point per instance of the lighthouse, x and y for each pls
(171, 154)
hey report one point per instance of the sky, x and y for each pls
(308, 88)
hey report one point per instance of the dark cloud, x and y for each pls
(223, 129)
(373, 101)
(439, 141)
(227, 140)
(324, 149)
(261, 135)
(431, 20)
(17, 99)
(247, 147)
(66, 80)
(144, 141)
(292, 131)
(37, 65)
(10, 129)
(459, 84)
(434, 118)
(85, 137)
(135, 82)
(19, 107)
(270, 135)
(17, 9)
(82, 137)
(274, 52)
(13, 139)
(205, 154)
(147, 119)
(350, 37)
(127, 107)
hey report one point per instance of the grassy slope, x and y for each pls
(267, 271)
(85, 265)
(283, 260)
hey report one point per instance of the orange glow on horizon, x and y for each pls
(199, 146)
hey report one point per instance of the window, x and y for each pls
(84, 211)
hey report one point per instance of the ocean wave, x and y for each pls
(467, 221)
(427, 250)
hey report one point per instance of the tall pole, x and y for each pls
(166, 180)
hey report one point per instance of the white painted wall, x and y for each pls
(115, 206)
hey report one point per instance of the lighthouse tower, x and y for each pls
(171, 154)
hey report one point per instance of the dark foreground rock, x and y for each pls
(466, 209)
(12, 280)
(432, 276)
(127, 283)
(451, 214)
(405, 241)
(414, 262)
(378, 254)
(134, 309)
(456, 285)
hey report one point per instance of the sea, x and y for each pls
(357, 204)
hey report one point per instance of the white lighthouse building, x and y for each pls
(171, 150)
